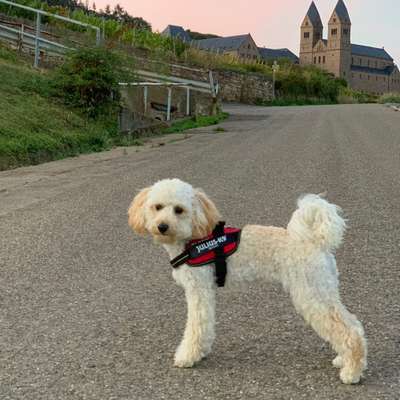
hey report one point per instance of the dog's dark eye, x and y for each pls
(178, 210)
(159, 207)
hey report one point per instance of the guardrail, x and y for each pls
(155, 79)
(205, 87)
(38, 41)
(21, 38)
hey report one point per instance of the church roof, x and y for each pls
(341, 11)
(223, 43)
(176, 32)
(313, 14)
(276, 54)
(367, 51)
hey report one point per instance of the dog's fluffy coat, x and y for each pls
(300, 257)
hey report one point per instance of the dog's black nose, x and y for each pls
(163, 228)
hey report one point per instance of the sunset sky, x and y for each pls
(272, 23)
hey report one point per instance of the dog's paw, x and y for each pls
(183, 363)
(185, 358)
(338, 362)
(349, 377)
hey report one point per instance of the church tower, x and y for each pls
(311, 33)
(339, 42)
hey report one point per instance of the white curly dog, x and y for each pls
(300, 257)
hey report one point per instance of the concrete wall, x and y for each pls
(135, 116)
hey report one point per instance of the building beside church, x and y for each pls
(176, 32)
(241, 46)
(366, 68)
(271, 55)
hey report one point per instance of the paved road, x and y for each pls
(89, 311)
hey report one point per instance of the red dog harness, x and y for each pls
(215, 248)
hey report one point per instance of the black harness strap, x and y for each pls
(220, 260)
(181, 259)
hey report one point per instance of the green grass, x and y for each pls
(195, 122)
(35, 126)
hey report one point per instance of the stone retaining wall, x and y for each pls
(234, 86)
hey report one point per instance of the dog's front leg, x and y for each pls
(199, 335)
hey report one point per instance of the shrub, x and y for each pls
(389, 98)
(89, 78)
(350, 96)
(347, 96)
(300, 83)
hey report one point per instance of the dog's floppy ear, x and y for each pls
(136, 212)
(205, 215)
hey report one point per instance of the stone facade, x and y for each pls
(365, 68)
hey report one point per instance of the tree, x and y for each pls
(118, 13)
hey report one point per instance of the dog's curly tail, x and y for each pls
(318, 222)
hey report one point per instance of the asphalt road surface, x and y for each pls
(90, 311)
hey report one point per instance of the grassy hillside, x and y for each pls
(51, 114)
(35, 126)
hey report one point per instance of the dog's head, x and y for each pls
(172, 211)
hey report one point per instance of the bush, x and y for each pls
(89, 79)
(308, 82)
(350, 96)
(390, 98)
(347, 96)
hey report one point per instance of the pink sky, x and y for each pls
(272, 23)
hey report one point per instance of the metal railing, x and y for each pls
(169, 82)
(205, 87)
(38, 41)
(21, 38)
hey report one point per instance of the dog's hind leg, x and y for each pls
(200, 325)
(335, 324)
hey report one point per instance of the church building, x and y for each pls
(366, 68)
